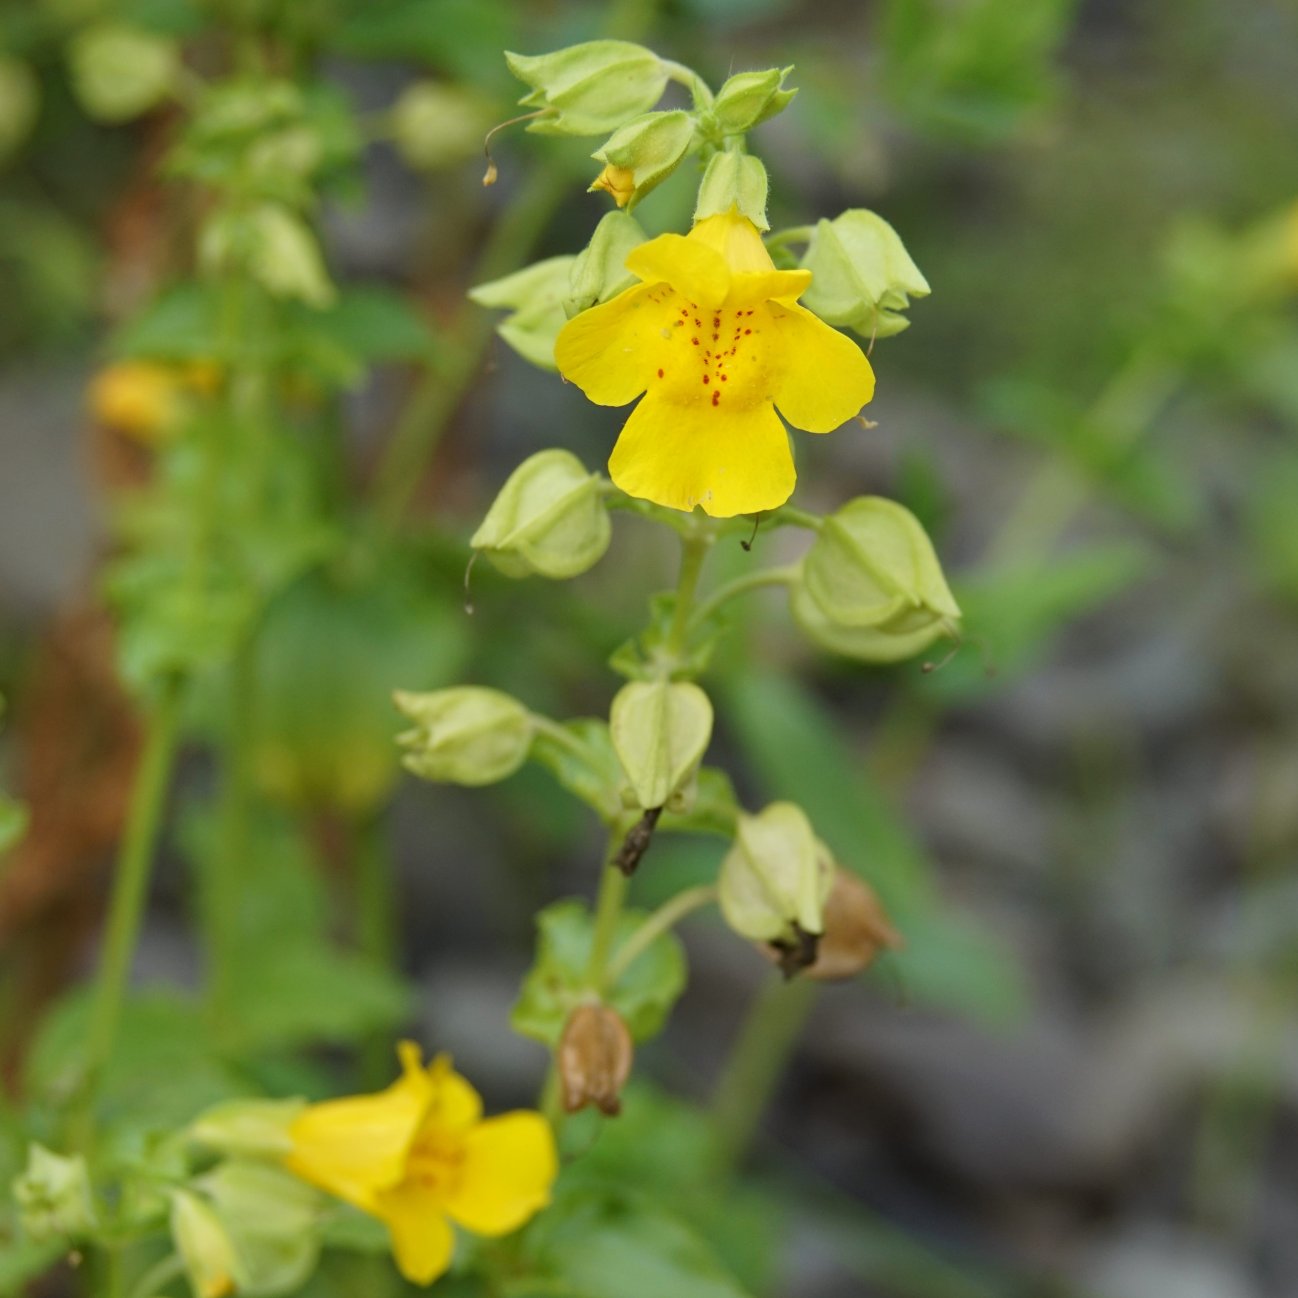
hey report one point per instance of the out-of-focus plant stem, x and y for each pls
(752, 1070)
(375, 926)
(441, 388)
(1059, 490)
(130, 888)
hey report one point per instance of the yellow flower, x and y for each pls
(145, 400)
(715, 339)
(419, 1155)
(618, 182)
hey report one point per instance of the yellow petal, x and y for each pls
(730, 458)
(422, 1238)
(509, 1165)
(785, 285)
(454, 1105)
(824, 377)
(736, 238)
(697, 272)
(357, 1146)
(608, 351)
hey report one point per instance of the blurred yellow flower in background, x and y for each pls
(146, 400)
(714, 338)
(419, 1156)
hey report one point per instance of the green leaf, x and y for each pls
(799, 753)
(162, 1070)
(587, 766)
(557, 982)
(588, 1235)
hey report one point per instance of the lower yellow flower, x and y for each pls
(419, 1155)
(715, 339)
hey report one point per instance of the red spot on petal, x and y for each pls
(716, 398)
(695, 341)
(725, 378)
(747, 331)
(707, 379)
(660, 373)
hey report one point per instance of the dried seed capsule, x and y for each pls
(595, 1055)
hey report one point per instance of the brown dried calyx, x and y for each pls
(595, 1054)
(856, 930)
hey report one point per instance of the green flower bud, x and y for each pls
(749, 98)
(204, 1245)
(862, 275)
(549, 519)
(642, 154)
(466, 735)
(599, 271)
(255, 1127)
(272, 1219)
(435, 124)
(872, 565)
(272, 244)
(660, 731)
(589, 89)
(54, 1196)
(776, 877)
(734, 180)
(536, 293)
(119, 72)
(19, 103)
(865, 644)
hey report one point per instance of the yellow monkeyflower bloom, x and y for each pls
(419, 1155)
(714, 338)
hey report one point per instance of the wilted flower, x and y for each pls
(594, 1059)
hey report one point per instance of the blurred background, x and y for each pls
(1081, 1076)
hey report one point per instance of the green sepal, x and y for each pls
(660, 731)
(749, 98)
(872, 565)
(591, 88)
(549, 519)
(585, 764)
(734, 180)
(862, 277)
(650, 148)
(599, 271)
(464, 735)
(535, 296)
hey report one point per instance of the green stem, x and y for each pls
(226, 869)
(791, 516)
(439, 392)
(665, 918)
(753, 1069)
(694, 550)
(608, 910)
(375, 928)
(172, 1267)
(1059, 490)
(794, 234)
(131, 882)
(785, 576)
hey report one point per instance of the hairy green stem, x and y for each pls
(665, 918)
(751, 1073)
(131, 882)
